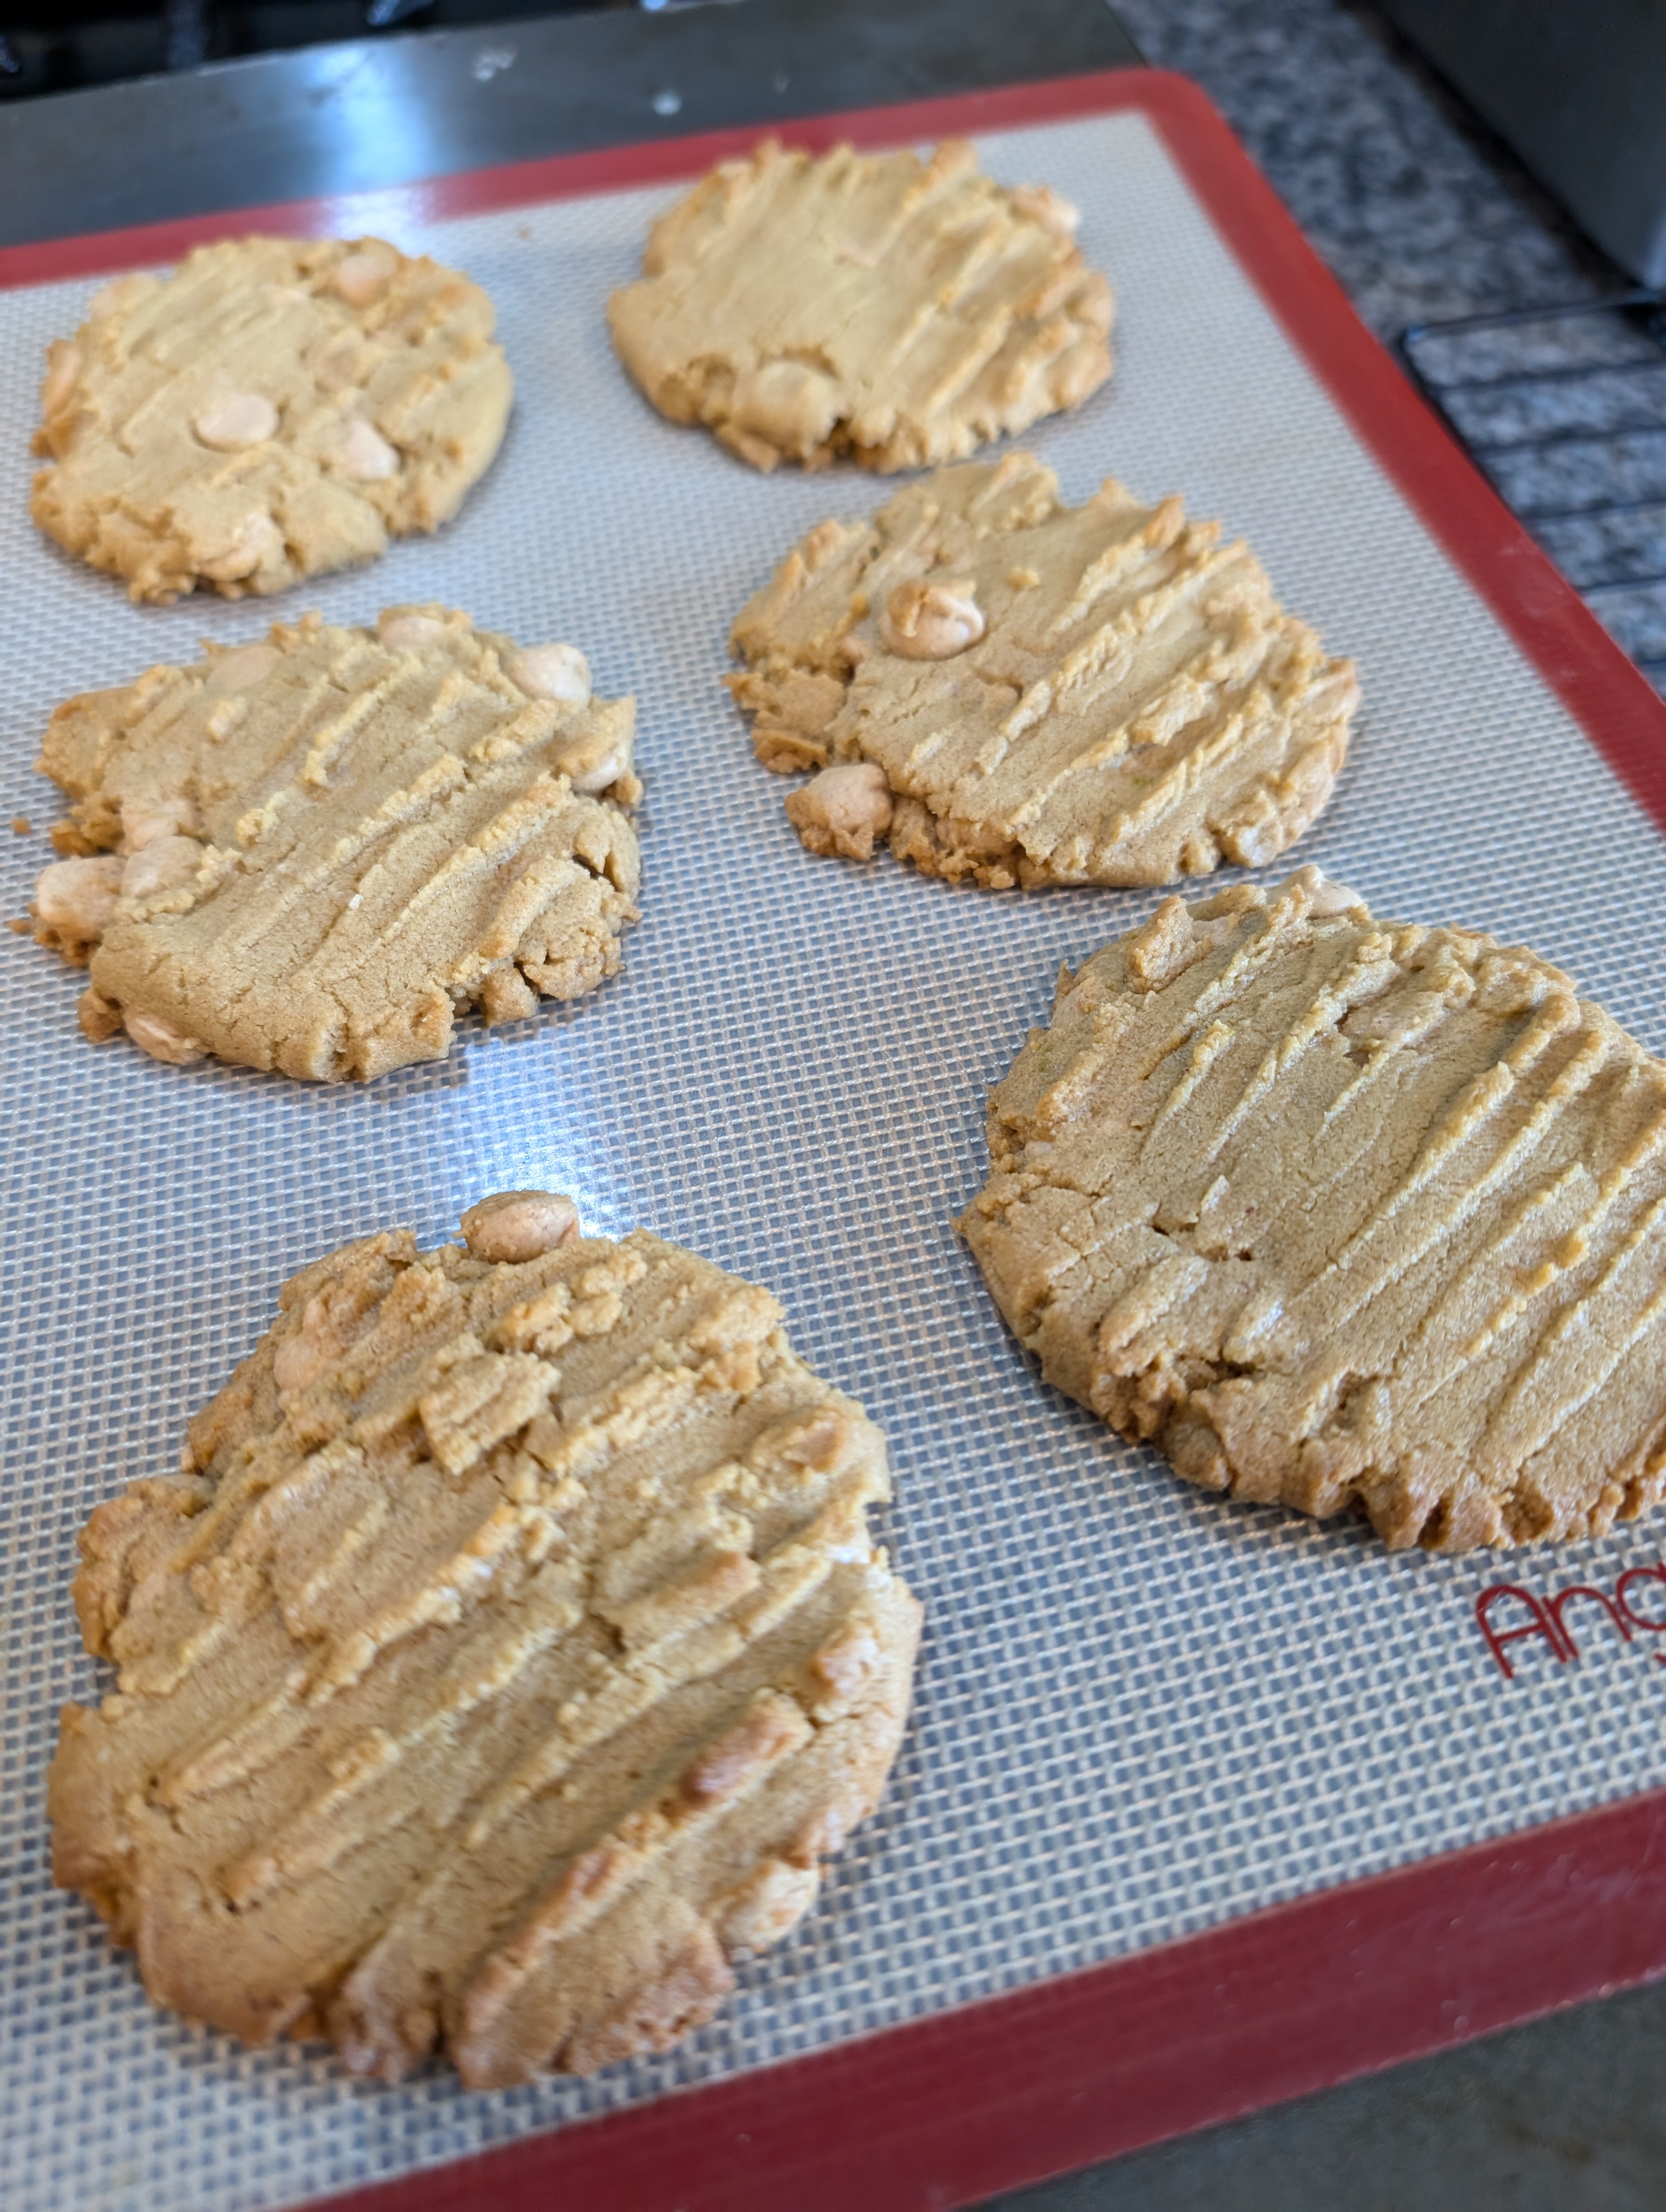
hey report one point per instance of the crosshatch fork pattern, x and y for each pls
(1139, 1711)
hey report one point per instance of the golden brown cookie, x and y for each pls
(504, 1661)
(898, 311)
(273, 409)
(311, 852)
(1104, 694)
(1344, 1213)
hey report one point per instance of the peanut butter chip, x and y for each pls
(1344, 1214)
(775, 1900)
(254, 540)
(162, 1040)
(475, 1691)
(237, 419)
(1104, 694)
(517, 1225)
(409, 633)
(76, 898)
(557, 672)
(364, 455)
(281, 764)
(842, 810)
(596, 762)
(225, 426)
(365, 276)
(789, 405)
(931, 622)
(1326, 896)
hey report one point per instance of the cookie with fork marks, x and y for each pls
(504, 1661)
(1344, 1215)
(312, 851)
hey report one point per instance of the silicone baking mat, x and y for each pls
(1141, 1713)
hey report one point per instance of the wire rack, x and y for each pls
(1565, 409)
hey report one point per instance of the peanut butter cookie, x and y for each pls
(273, 409)
(1344, 1213)
(898, 311)
(504, 1659)
(1104, 694)
(311, 853)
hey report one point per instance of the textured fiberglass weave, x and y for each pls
(1140, 1710)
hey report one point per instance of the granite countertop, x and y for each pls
(1424, 215)
(1420, 210)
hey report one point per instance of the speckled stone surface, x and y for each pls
(1418, 207)
(1424, 214)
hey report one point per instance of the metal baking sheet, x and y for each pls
(1140, 1711)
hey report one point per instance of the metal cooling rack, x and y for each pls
(1565, 409)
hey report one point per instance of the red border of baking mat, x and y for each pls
(949, 2110)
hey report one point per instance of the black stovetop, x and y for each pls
(60, 45)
